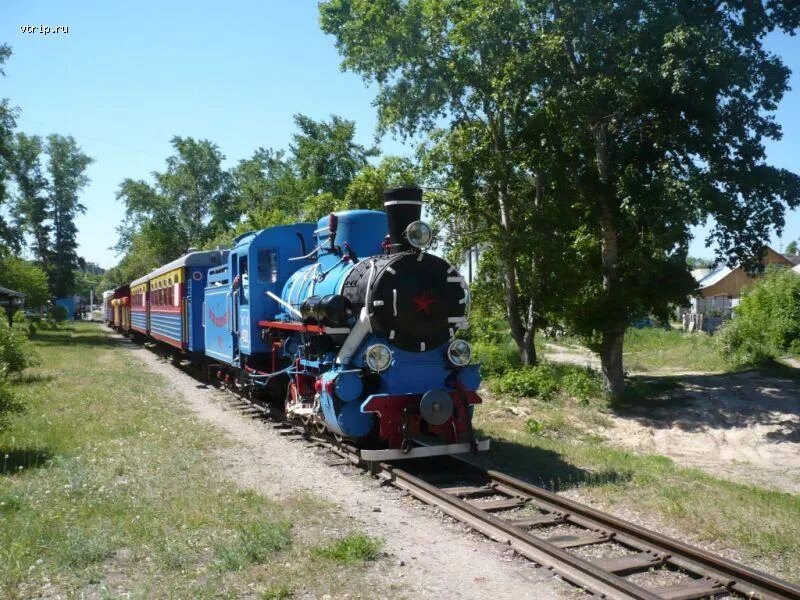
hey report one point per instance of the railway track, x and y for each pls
(533, 520)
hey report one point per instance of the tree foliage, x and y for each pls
(66, 167)
(26, 277)
(630, 121)
(323, 169)
(33, 206)
(9, 235)
(766, 324)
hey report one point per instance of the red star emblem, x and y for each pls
(422, 303)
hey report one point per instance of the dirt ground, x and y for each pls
(429, 555)
(741, 426)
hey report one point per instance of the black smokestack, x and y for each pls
(403, 205)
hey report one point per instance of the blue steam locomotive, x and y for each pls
(350, 325)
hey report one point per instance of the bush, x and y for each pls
(583, 384)
(16, 353)
(23, 323)
(766, 323)
(9, 402)
(495, 358)
(59, 314)
(544, 381)
(539, 382)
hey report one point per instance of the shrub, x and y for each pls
(583, 384)
(534, 426)
(545, 380)
(495, 358)
(9, 402)
(16, 353)
(490, 328)
(766, 323)
(540, 382)
(59, 314)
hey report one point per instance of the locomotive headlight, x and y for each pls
(378, 357)
(419, 234)
(459, 353)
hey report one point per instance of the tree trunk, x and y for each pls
(523, 336)
(611, 361)
(528, 347)
(614, 331)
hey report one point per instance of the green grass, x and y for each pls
(655, 350)
(556, 444)
(658, 350)
(109, 487)
(354, 548)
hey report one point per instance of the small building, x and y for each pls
(720, 290)
(11, 300)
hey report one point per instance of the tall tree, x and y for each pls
(9, 236)
(267, 189)
(67, 170)
(198, 186)
(189, 204)
(326, 156)
(33, 205)
(654, 114)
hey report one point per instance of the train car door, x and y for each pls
(218, 317)
(242, 306)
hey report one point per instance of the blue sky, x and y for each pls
(128, 76)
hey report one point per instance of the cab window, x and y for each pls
(267, 266)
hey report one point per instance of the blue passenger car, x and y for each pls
(242, 292)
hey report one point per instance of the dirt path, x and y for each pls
(430, 556)
(742, 426)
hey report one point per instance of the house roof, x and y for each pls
(698, 274)
(792, 258)
(715, 275)
(7, 293)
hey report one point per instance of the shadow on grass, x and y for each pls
(763, 396)
(28, 378)
(540, 466)
(14, 460)
(67, 339)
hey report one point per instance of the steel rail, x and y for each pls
(740, 578)
(573, 568)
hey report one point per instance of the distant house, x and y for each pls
(720, 289)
